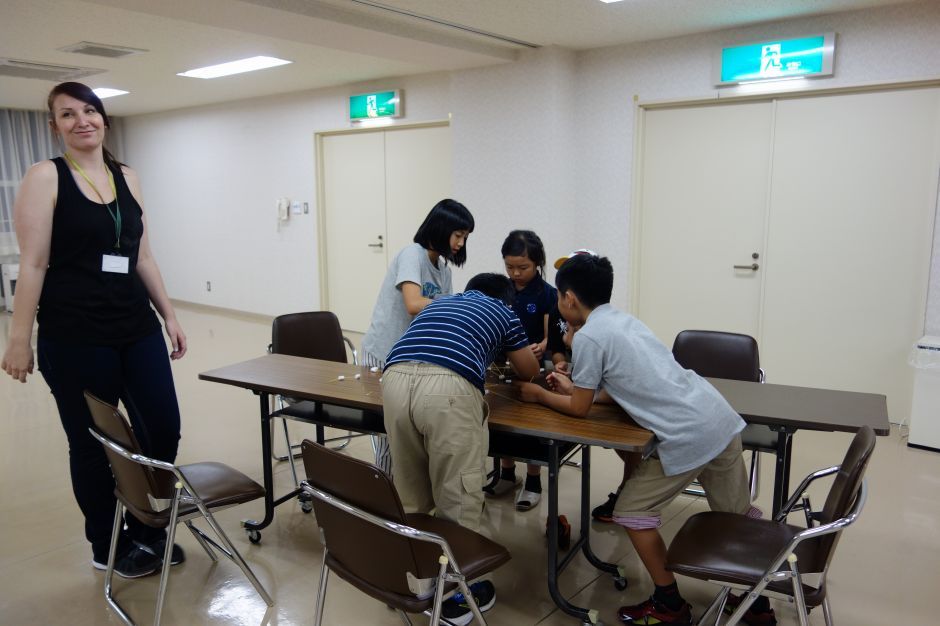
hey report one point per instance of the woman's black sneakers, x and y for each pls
(133, 562)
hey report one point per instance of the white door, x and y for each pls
(417, 176)
(378, 187)
(354, 224)
(703, 199)
(841, 286)
(853, 198)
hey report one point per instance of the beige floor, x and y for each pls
(886, 571)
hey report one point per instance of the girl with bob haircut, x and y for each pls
(88, 276)
(418, 274)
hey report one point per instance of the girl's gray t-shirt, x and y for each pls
(390, 319)
(690, 418)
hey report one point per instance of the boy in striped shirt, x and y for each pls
(435, 414)
(432, 391)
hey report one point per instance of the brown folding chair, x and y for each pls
(161, 495)
(771, 556)
(408, 561)
(716, 354)
(312, 335)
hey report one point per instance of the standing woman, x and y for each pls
(418, 274)
(88, 276)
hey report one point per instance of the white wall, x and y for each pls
(544, 143)
(211, 176)
(883, 45)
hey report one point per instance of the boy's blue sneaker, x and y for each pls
(457, 610)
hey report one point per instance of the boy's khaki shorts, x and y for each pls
(648, 490)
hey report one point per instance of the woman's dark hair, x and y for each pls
(493, 285)
(83, 92)
(434, 233)
(590, 277)
(525, 243)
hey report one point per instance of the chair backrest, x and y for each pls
(717, 354)
(141, 488)
(842, 494)
(379, 557)
(314, 335)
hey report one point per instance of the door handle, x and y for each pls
(753, 267)
(377, 245)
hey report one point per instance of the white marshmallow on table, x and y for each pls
(340, 378)
(358, 376)
(373, 369)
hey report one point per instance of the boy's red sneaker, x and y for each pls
(652, 612)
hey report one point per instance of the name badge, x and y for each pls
(115, 264)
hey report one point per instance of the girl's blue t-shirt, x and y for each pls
(533, 302)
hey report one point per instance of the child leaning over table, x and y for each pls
(698, 431)
(435, 414)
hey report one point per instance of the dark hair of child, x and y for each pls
(493, 285)
(434, 233)
(590, 277)
(525, 243)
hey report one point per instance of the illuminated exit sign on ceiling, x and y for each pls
(776, 60)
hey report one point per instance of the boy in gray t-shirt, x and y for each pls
(618, 359)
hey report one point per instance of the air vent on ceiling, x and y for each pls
(102, 50)
(43, 71)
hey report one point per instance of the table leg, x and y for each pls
(587, 616)
(253, 527)
(782, 472)
(620, 581)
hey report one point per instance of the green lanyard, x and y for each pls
(116, 214)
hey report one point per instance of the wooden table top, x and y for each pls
(805, 407)
(606, 425)
(312, 379)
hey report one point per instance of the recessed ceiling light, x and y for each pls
(234, 67)
(107, 92)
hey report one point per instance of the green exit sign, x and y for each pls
(367, 106)
(776, 60)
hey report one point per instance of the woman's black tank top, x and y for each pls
(80, 303)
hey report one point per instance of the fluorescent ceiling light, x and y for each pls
(609, 1)
(234, 67)
(107, 92)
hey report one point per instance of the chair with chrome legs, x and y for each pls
(161, 495)
(772, 557)
(716, 354)
(407, 561)
(313, 335)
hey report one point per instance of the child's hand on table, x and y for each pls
(559, 383)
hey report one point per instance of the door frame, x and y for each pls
(640, 108)
(323, 273)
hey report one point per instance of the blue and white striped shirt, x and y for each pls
(463, 333)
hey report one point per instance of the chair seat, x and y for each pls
(475, 554)
(512, 446)
(343, 418)
(759, 437)
(217, 484)
(725, 547)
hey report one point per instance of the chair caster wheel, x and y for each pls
(306, 506)
(620, 583)
(254, 536)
